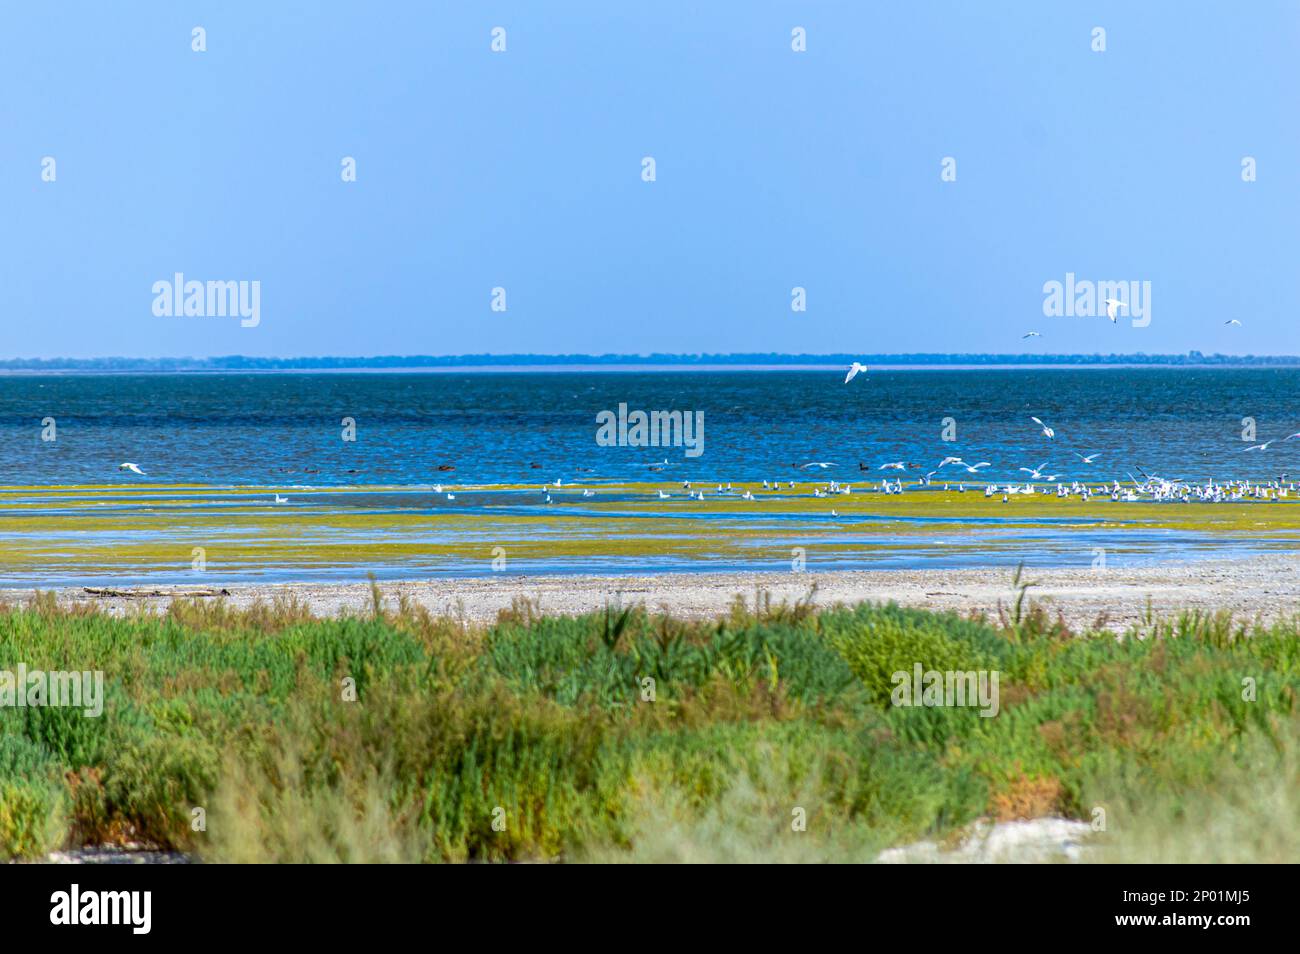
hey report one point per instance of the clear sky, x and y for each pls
(523, 169)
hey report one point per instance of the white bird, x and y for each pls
(854, 370)
(451, 496)
(1087, 460)
(1260, 447)
(589, 493)
(1035, 472)
(823, 464)
(975, 468)
(950, 460)
(1047, 431)
(834, 514)
(1232, 321)
(1112, 305)
(896, 465)
(131, 467)
(1030, 334)
(662, 495)
(279, 499)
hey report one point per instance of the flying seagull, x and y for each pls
(1031, 334)
(823, 464)
(1232, 321)
(131, 467)
(1047, 431)
(854, 370)
(1260, 447)
(1112, 304)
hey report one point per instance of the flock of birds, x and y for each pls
(1150, 487)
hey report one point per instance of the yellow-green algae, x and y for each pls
(98, 529)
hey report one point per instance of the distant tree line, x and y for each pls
(243, 363)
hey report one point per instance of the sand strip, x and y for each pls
(1266, 586)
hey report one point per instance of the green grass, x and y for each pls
(626, 735)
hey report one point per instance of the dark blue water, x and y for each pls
(514, 427)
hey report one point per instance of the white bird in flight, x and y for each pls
(1047, 431)
(1232, 321)
(1087, 460)
(896, 465)
(951, 460)
(975, 468)
(131, 467)
(1259, 447)
(1035, 472)
(823, 464)
(1030, 334)
(1112, 306)
(854, 370)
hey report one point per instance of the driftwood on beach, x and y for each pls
(133, 594)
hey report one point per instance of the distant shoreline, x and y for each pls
(625, 363)
(632, 369)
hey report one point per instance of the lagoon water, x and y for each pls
(492, 427)
(365, 505)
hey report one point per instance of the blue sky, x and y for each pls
(522, 169)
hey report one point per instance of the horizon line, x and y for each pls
(238, 361)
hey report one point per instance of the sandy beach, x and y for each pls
(1264, 586)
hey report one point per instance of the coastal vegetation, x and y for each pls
(265, 734)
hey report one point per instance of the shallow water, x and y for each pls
(111, 537)
(369, 504)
